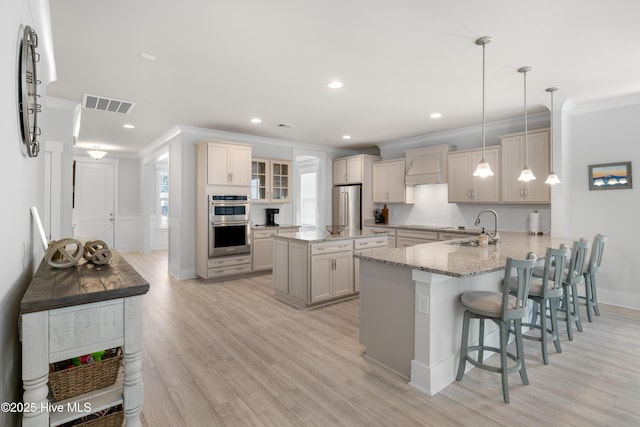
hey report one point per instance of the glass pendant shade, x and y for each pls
(526, 175)
(552, 179)
(96, 153)
(483, 169)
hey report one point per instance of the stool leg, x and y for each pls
(554, 324)
(520, 351)
(588, 297)
(567, 310)
(594, 294)
(481, 341)
(504, 340)
(463, 346)
(576, 306)
(543, 329)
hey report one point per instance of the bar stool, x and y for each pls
(546, 293)
(595, 264)
(504, 309)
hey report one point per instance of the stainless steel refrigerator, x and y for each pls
(347, 206)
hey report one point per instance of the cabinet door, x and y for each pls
(395, 181)
(342, 274)
(298, 270)
(486, 189)
(340, 171)
(281, 265)
(513, 154)
(512, 164)
(240, 165)
(321, 277)
(380, 193)
(537, 190)
(262, 253)
(459, 177)
(259, 177)
(354, 170)
(280, 180)
(218, 164)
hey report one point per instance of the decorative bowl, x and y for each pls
(335, 229)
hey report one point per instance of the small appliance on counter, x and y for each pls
(377, 216)
(270, 214)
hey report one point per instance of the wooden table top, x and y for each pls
(85, 283)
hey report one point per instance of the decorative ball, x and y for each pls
(64, 253)
(97, 252)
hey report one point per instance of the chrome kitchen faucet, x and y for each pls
(495, 236)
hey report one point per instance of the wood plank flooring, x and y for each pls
(229, 353)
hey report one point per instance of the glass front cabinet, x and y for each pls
(270, 181)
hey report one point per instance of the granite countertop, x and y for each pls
(463, 261)
(85, 283)
(443, 228)
(324, 236)
(270, 227)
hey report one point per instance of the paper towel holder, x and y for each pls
(534, 224)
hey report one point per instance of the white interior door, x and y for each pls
(94, 202)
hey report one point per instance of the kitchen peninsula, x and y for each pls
(410, 310)
(315, 268)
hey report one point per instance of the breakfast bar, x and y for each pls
(410, 310)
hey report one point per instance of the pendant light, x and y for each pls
(526, 174)
(96, 153)
(552, 179)
(483, 169)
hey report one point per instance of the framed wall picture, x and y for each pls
(610, 176)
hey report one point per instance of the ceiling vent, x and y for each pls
(94, 102)
(284, 125)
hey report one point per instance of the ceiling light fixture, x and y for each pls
(483, 169)
(96, 153)
(128, 126)
(335, 84)
(526, 174)
(346, 136)
(147, 56)
(553, 178)
(436, 115)
(256, 120)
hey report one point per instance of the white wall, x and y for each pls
(596, 133)
(23, 181)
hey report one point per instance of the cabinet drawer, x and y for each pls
(371, 242)
(418, 234)
(263, 234)
(229, 270)
(390, 231)
(228, 261)
(329, 247)
(82, 329)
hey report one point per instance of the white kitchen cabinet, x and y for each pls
(388, 182)
(331, 273)
(349, 170)
(391, 233)
(466, 188)
(262, 252)
(228, 164)
(281, 266)
(270, 181)
(513, 159)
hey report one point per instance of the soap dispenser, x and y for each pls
(483, 239)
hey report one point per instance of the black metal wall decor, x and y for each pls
(28, 103)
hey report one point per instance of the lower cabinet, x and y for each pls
(331, 276)
(262, 247)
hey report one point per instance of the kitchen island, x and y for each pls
(410, 310)
(315, 268)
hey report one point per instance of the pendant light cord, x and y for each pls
(526, 145)
(551, 134)
(484, 45)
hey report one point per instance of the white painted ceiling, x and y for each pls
(220, 63)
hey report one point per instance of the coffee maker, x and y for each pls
(271, 216)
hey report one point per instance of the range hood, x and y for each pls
(427, 165)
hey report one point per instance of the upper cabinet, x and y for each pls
(348, 170)
(228, 164)
(270, 181)
(513, 159)
(466, 188)
(388, 182)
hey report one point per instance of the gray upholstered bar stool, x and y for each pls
(505, 310)
(594, 266)
(545, 293)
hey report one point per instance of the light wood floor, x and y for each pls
(230, 354)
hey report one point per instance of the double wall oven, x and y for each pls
(229, 229)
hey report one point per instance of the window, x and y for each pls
(163, 197)
(309, 199)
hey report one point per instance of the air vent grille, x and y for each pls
(284, 125)
(102, 103)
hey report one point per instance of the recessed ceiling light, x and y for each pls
(346, 136)
(335, 84)
(256, 120)
(436, 115)
(128, 126)
(147, 56)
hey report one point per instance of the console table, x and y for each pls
(75, 311)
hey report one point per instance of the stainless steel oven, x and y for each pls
(229, 229)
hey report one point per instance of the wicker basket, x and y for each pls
(113, 419)
(67, 382)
